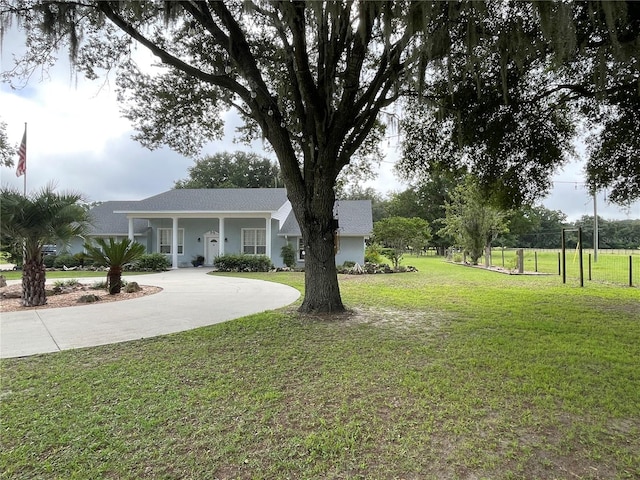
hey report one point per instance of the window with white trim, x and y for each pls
(165, 238)
(254, 241)
(301, 249)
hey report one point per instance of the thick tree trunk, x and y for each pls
(114, 280)
(33, 283)
(322, 292)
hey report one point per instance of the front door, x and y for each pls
(211, 247)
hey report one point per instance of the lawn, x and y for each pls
(611, 266)
(449, 373)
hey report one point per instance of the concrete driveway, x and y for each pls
(190, 299)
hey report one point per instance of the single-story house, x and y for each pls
(186, 223)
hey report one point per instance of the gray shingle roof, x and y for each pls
(105, 222)
(354, 216)
(354, 219)
(213, 200)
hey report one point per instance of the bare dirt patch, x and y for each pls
(10, 296)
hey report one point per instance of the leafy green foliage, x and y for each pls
(400, 234)
(243, 263)
(32, 221)
(288, 254)
(232, 170)
(65, 260)
(153, 262)
(7, 152)
(116, 255)
(471, 220)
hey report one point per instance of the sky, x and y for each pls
(78, 140)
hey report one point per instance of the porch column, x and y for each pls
(268, 235)
(130, 232)
(174, 243)
(221, 237)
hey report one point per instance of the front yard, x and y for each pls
(448, 373)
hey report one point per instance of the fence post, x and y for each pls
(564, 259)
(535, 261)
(631, 270)
(520, 254)
(589, 267)
(581, 260)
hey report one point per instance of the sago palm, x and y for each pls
(35, 220)
(116, 255)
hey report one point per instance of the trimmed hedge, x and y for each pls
(243, 263)
(152, 262)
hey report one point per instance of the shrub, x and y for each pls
(82, 258)
(243, 263)
(49, 260)
(154, 262)
(65, 260)
(288, 255)
(372, 253)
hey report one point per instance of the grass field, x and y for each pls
(449, 373)
(610, 267)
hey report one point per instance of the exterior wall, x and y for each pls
(195, 228)
(77, 243)
(351, 250)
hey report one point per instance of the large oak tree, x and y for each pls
(312, 78)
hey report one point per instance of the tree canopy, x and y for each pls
(472, 220)
(400, 234)
(318, 80)
(509, 112)
(232, 170)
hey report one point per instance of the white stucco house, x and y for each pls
(186, 223)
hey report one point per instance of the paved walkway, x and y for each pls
(190, 299)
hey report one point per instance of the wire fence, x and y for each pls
(620, 267)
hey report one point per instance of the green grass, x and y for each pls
(609, 268)
(452, 372)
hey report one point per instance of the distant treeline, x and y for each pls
(612, 234)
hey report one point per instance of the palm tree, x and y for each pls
(35, 220)
(116, 255)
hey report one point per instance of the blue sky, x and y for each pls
(77, 139)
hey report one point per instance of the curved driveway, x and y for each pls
(189, 299)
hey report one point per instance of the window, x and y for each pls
(301, 249)
(254, 241)
(165, 236)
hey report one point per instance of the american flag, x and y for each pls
(22, 155)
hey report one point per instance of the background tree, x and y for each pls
(314, 80)
(116, 255)
(41, 218)
(311, 78)
(232, 170)
(426, 199)
(533, 227)
(539, 70)
(472, 220)
(400, 234)
(7, 151)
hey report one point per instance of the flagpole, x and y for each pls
(24, 188)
